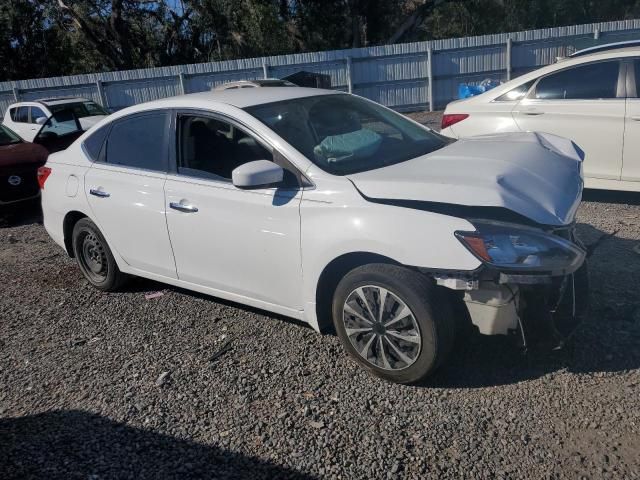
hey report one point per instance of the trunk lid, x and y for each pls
(536, 175)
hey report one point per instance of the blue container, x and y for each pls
(465, 90)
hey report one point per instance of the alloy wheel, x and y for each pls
(381, 328)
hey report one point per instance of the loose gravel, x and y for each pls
(180, 385)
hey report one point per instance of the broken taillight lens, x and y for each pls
(449, 119)
(43, 174)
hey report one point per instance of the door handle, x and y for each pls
(99, 193)
(182, 207)
(636, 118)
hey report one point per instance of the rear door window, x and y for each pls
(21, 115)
(636, 65)
(139, 141)
(585, 82)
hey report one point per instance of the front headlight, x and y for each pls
(516, 247)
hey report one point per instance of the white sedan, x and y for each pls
(331, 209)
(591, 98)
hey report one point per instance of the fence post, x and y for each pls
(430, 76)
(508, 60)
(596, 34)
(349, 78)
(16, 94)
(181, 79)
(265, 69)
(103, 97)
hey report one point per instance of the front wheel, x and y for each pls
(393, 322)
(95, 258)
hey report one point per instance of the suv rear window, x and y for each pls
(584, 82)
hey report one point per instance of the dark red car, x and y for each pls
(19, 162)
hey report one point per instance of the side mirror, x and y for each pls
(256, 174)
(41, 120)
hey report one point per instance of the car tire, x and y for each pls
(94, 257)
(412, 335)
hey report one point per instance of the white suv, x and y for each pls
(328, 208)
(66, 115)
(591, 98)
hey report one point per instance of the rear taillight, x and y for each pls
(449, 119)
(43, 174)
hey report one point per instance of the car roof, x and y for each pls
(61, 100)
(240, 98)
(248, 97)
(48, 102)
(608, 47)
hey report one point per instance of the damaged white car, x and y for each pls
(331, 209)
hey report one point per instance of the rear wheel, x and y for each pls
(393, 322)
(95, 258)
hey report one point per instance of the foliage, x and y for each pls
(60, 37)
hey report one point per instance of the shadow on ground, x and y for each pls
(26, 213)
(71, 444)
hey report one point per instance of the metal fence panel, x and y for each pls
(395, 75)
(124, 94)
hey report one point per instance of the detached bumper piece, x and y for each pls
(550, 314)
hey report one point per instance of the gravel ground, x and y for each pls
(96, 386)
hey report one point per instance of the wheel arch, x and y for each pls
(70, 220)
(331, 276)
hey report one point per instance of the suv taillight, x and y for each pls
(449, 119)
(43, 174)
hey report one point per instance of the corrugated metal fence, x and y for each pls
(407, 76)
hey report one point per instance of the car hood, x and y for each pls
(536, 175)
(21, 154)
(87, 122)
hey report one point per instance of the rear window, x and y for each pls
(585, 82)
(93, 144)
(516, 93)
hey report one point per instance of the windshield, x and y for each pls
(345, 134)
(80, 109)
(7, 137)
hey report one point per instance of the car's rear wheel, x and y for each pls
(95, 258)
(393, 322)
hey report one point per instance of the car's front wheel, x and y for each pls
(393, 322)
(95, 258)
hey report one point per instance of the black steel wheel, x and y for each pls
(94, 257)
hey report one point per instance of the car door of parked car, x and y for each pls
(631, 158)
(21, 125)
(585, 103)
(125, 189)
(244, 242)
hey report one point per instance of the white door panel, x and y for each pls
(631, 158)
(129, 207)
(245, 242)
(596, 126)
